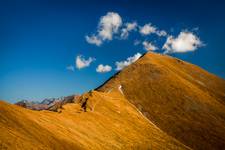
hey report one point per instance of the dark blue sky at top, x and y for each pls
(38, 39)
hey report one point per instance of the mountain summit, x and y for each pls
(180, 98)
(158, 102)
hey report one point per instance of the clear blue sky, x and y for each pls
(40, 38)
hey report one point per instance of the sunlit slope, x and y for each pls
(96, 121)
(181, 99)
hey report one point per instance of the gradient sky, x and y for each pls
(39, 39)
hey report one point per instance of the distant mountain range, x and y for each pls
(158, 102)
(51, 104)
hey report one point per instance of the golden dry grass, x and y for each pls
(110, 122)
(164, 103)
(181, 99)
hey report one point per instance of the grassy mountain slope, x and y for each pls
(181, 99)
(158, 102)
(95, 121)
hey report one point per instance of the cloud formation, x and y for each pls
(185, 42)
(93, 40)
(121, 64)
(107, 27)
(161, 33)
(147, 29)
(70, 68)
(111, 25)
(149, 46)
(128, 28)
(103, 68)
(81, 62)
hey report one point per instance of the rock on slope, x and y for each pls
(181, 99)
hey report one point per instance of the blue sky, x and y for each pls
(40, 41)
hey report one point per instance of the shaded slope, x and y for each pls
(182, 99)
(109, 122)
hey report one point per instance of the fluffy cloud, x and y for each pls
(185, 42)
(70, 68)
(81, 62)
(121, 64)
(102, 69)
(147, 29)
(150, 29)
(93, 40)
(161, 33)
(111, 24)
(107, 26)
(149, 46)
(128, 28)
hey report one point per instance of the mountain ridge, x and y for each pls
(170, 86)
(158, 102)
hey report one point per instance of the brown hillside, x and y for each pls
(95, 121)
(181, 99)
(159, 102)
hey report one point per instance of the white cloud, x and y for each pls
(149, 46)
(185, 42)
(70, 68)
(111, 25)
(121, 64)
(93, 40)
(150, 29)
(81, 62)
(147, 29)
(107, 27)
(102, 69)
(131, 26)
(161, 33)
(128, 28)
